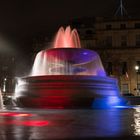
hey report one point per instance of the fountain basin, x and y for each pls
(67, 91)
(68, 61)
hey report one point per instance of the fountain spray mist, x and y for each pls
(67, 57)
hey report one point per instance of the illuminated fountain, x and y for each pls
(67, 76)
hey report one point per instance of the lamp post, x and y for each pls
(137, 70)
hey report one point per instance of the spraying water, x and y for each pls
(67, 38)
(67, 57)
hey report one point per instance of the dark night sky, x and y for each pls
(20, 20)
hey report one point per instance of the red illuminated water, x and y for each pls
(67, 38)
(66, 57)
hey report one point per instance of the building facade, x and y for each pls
(117, 40)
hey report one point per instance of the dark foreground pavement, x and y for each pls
(62, 124)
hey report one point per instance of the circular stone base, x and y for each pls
(67, 91)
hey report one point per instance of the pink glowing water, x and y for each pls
(66, 57)
(67, 38)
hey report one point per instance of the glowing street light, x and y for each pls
(137, 70)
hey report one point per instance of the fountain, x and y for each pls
(67, 76)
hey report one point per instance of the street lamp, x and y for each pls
(137, 70)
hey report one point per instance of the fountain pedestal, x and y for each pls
(67, 91)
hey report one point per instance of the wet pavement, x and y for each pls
(52, 124)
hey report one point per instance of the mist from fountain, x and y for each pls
(66, 57)
(67, 38)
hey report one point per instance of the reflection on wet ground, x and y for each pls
(32, 124)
